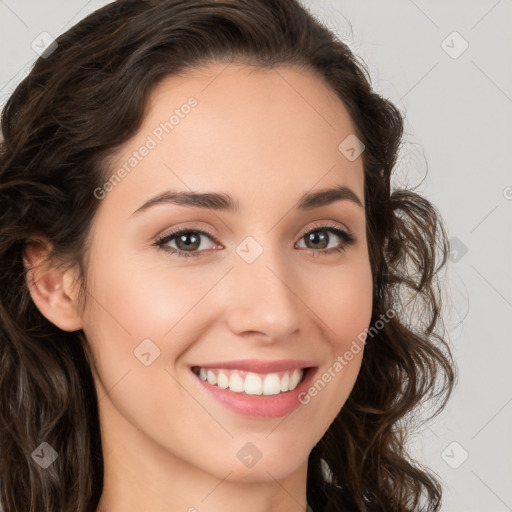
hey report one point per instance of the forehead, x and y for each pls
(262, 135)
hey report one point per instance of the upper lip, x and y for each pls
(259, 365)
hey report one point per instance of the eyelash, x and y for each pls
(347, 238)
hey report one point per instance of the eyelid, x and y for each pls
(161, 240)
(172, 233)
(305, 231)
(324, 225)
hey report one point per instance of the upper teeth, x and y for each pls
(253, 383)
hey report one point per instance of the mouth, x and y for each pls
(253, 383)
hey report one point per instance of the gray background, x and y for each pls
(458, 108)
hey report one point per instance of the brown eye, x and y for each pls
(188, 242)
(319, 238)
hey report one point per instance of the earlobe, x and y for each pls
(52, 289)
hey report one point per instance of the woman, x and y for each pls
(210, 297)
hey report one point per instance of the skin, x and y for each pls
(265, 137)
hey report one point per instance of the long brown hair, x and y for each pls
(83, 100)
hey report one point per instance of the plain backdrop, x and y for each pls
(447, 66)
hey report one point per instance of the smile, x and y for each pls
(252, 394)
(251, 383)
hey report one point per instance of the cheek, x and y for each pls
(144, 300)
(345, 308)
(131, 301)
(342, 299)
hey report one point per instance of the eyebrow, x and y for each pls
(225, 202)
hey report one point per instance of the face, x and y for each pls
(270, 276)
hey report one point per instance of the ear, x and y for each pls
(53, 290)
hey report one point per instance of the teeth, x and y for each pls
(253, 383)
(285, 383)
(222, 381)
(295, 379)
(236, 383)
(272, 384)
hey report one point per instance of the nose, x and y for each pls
(263, 298)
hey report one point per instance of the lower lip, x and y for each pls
(259, 406)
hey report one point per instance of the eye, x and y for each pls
(318, 239)
(188, 242)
